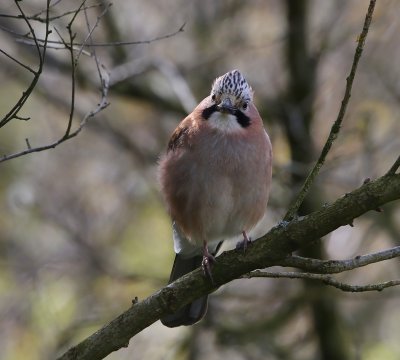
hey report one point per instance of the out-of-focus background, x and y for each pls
(83, 229)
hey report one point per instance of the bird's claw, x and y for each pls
(243, 244)
(206, 265)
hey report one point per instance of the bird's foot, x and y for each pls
(243, 244)
(207, 263)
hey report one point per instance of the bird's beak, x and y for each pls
(226, 106)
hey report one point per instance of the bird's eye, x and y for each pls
(213, 97)
(244, 106)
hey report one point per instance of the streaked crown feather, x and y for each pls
(233, 83)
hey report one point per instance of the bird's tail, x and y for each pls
(193, 312)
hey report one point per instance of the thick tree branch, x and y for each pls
(272, 249)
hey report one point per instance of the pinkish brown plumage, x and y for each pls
(215, 178)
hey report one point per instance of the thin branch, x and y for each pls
(73, 70)
(103, 77)
(326, 279)
(37, 17)
(336, 126)
(394, 167)
(13, 113)
(88, 39)
(26, 39)
(102, 105)
(18, 62)
(74, 64)
(72, 48)
(338, 266)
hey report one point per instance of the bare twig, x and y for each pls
(336, 126)
(13, 113)
(103, 103)
(74, 64)
(394, 167)
(37, 17)
(326, 279)
(88, 39)
(26, 39)
(75, 49)
(338, 266)
(318, 268)
(17, 61)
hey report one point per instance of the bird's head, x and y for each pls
(231, 92)
(231, 97)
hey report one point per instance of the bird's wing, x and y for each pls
(182, 245)
(180, 136)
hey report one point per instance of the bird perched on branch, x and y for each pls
(215, 178)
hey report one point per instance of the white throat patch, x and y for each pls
(224, 122)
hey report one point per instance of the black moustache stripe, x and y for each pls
(242, 119)
(207, 112)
